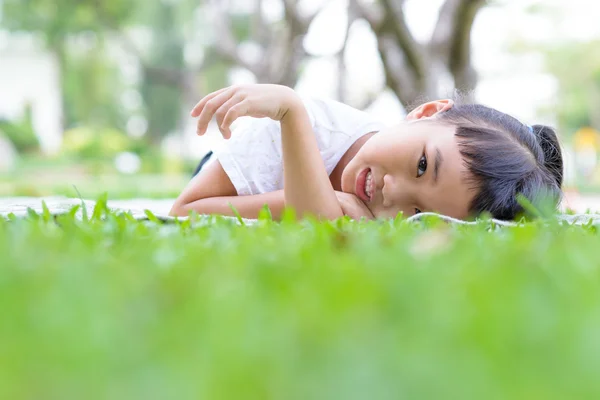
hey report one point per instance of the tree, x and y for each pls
(281, 46)
(577, 68)
(89, 82)
(412, 69)
(171, 83)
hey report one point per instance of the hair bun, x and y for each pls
(553, 160)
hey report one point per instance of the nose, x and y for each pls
(396, 191)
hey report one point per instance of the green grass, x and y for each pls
(92, 186)
(118, 309)
(38, 176)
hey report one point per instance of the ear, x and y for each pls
(430, 109)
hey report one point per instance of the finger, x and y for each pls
(210, 108)
(198, 107)
(222, 111)
(239, 110)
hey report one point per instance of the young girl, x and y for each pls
(326, 159)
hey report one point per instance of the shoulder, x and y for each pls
(339, 117)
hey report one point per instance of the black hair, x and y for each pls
(506, 158)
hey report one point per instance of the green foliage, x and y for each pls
(21, 133)
(115, 308)
(89, 143)
(577, 67)
(91, 85)
(162, 102)
(240, 25)
(92, 88)
(161, 91)
(215, 75)
(57, 18)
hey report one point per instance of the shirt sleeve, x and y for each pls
(252, 158)
(337, 126)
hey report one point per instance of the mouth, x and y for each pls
(365, 185)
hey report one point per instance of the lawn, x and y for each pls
(113, 308)
(36, 176)
(52, 183)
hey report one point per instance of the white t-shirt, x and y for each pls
(252, 157)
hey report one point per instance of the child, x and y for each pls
(326, 159)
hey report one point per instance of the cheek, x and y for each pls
(363, 158)
(374, 152)
(389, 148)
(349, 175)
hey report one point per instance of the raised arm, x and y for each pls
(307, 187)
(306, 183)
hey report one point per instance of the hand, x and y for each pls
(353, 207)
(229, 104)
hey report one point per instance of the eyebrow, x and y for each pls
(436, 167)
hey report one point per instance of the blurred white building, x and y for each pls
(29, 75)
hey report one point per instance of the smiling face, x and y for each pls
(413, 167)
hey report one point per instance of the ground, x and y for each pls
(110, 307)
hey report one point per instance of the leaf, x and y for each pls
(129, 216)
(237, 215)
(528, 206)
(265, 214)
(32, 214)
(73, 211)
(100, 208)
(185, 224)
(288, 215)
(46, 215)
(151, 216)
(83, 207)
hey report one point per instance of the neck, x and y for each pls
(336, 174)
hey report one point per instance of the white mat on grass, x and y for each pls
(160, 208)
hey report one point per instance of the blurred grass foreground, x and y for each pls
(111, 307)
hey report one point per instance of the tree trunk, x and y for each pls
(57, 47)
(412, 69)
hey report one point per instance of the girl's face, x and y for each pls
(413, 167)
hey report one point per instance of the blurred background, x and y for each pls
(95, 95)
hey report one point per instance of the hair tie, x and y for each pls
(530, 129)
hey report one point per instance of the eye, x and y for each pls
(422, 166)
(417, 211)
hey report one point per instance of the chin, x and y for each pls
(343, 183)
(383, 214)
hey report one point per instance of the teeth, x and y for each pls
(368, 186)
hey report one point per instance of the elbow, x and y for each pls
(178, 210)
